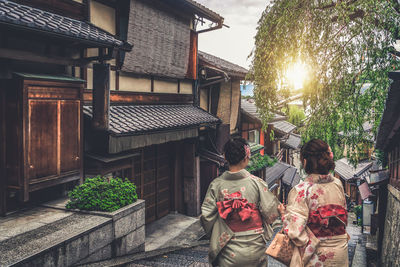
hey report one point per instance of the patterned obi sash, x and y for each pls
(239, 214)
(328, 220)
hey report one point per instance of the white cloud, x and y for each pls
(235, 43)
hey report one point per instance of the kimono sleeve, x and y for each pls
(268, 203)
(296, 217)
(209, 211)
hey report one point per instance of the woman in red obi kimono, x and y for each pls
(316, 210)
(237, 212)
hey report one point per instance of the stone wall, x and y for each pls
(391, 238)
(110, 234)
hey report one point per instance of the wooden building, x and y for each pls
(218, 94)
(278, 139)
(136, 106)
(388, 140)
(351, 177)
(151, 130)
(41, 55)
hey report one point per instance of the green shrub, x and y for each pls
(258, 161)
(100, 194)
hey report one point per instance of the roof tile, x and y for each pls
(20, 15)
(230, 68)
(138, 119)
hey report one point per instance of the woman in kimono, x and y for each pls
(237, 212)
(315, 218)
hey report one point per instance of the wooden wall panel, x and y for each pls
(119, 97)
(224, 104)
(70, 136)
(42, 138)
(235, 104)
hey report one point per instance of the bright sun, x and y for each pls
(296, 75)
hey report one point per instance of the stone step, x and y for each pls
(59, 243)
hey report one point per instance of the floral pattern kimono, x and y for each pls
(317, 209)
(236, 213)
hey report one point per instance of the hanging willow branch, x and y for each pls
(346, 44)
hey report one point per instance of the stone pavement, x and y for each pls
(172, 230)
(184, 255)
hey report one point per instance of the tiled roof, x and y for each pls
(296, 179)
(293, 141)
(289, 176)
(249, 107)
(140, 119)
(254, 148)
(275, 172)
(346, 171)
(18, 15)
(283, 126)
(282, 170)
(230, 68)
(377, 176)
(204, 11)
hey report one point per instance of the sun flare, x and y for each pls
(296, 75)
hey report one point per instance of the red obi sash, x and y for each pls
(238, 213)
(328, 220)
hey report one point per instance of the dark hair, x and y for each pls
(318, 157)
(235, 151)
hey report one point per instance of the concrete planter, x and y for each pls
(124, 235)
(76, 237)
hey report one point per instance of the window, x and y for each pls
(254, 137)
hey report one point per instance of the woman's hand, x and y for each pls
(281, 209)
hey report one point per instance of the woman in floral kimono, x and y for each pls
(237, 212)
(316, 210)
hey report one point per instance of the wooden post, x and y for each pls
(101, 96)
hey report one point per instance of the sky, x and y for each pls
(235, 43)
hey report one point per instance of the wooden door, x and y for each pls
(70, 135)
(155, 185)
(42, 138)
(208, 172)
(163, 180)
(149, 182)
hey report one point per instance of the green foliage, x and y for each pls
(358, 212)
(99, 194)
(296, 115)
(345, 44)
(258, 161)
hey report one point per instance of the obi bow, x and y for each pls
(235, 203)
(323, 215)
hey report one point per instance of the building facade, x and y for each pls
(103, 88)
(388, 140)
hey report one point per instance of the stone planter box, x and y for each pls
(126, 235)
(77, 237)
